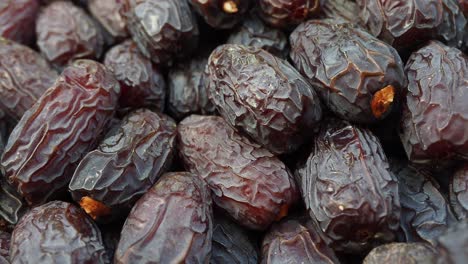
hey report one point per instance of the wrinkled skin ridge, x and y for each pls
(17, 19)
(459, 192)
(401, 253)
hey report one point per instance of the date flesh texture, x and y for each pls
(66, 33)
(459, 192)
(348, 188)
(452, 246)
(434, 123)
(141, 82)
(221, 14)
(263, 96)
(17, 20)
(162, 29)
(57, 232)
(296, 241)
(171, 223)
(358, 77)
(246, 180)
(287, 13)
(401, 253)
(24, 77)
(133, 155)
(64, 124)
(107, 12)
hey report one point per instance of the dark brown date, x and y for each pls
(107, 12)
(401, 253)
(64, 124)
(162, 29)
(221, 14)
(5, 239)
(434, 124)
(171, 223)
(247, 181)
(141, 82)
(263, 96)
(357, 76)
(133, 155)
(17, 19)
(348, 188)
(459, 192)
(24, 77)
(287, 13)
(296, 241)
(57, 232)
(452, 246)
(66, 33)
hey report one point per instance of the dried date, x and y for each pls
(401, 253)
(263, 96)
(5, 239)
(12, 206)
(171, 223)
(452, 246)
(221, 14)
(344, 9)
(459, 192)
(247, 181)
(287, 13)
(64, 124)
(17, 19)
(107, 12)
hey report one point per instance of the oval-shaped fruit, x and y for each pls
(17, 19)
(434, 124)
(263, 96)
(348, 188)
(452, 246)
(221, 14)
(64, 124)
(171, 223)
(287, 13)
(107, 12)
(459, 192)
(125, 165)
(356, 75)
(57, 232)
(401, 253)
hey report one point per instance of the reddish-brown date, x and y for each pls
(107, 12)
(221, 14)
(401, 253)
(130, 159)
(171, 223)
(459, 192)
(287, 13)
(452, 245)
(247, 180)
(17, 19)
(64, 124)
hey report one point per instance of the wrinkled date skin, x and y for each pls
(434, 124)
(57, 232)
(231, 243)
(287, 13)
(348, 188)
(296, 241)
(17, 19)
(107, 12)
(263, 96)
(162, 29)
(221, 14)
(5, 239)
(401, 253)
(141, 82)
(247, 181)
(459, 192)
(452, 246)
(344, 9)
(52, 137)
(126, 164)
(348, 67)
(24, 77)
(12, 206)
(171, 223)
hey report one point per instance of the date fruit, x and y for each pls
(401, 253)
(452, 246)
(247, 180)
(221, 14)
(5, 239)
(64, 124)
(263, 96)
(459, 192)
(287, 13)
(17, 19)
(107, 12)
(341, 9)
(12, 206)
(171, 223)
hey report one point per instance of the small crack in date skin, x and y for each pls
(17, 19)
(287, 14)
(221, 14)
(459, 192)
(401, 253)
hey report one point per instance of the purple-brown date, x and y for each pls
(341, 9)
(452, 245)
(221, 14)
(296, 241)
(57, 232)
(24, 77)
(133, 155)
(434, 123)
(5, 239)
(262, 96)
(357, 76)
(17, 20)
(348, 188)
(246, 180)
(66, 33)
(401, 253)
(287, 13)
(64, 124)
(107, 12)
(459, 192)
(141, 82)
(171, 223)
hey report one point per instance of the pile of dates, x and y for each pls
(234, 131)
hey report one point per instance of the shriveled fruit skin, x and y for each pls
(66, 33)
(287, 13)
(52, 137)
(162, 29)
(17, 19)
(231, 243)
(57, 232)
(5, 239)
(459, 192)
(348, 188)
(133, 155)
(452, 246)
(12, 206)
(107, 12)
(221, 14)
(434, 122)
(344, 9)
(247, 180)
(141, 82)
(347, 66)
(296, 241)
(401, 253)
(24, 77)
(171, 223)
(263, 96)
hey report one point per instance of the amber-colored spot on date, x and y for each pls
(382, 101)
(230, 7)
(94, 208)
(283, 212)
